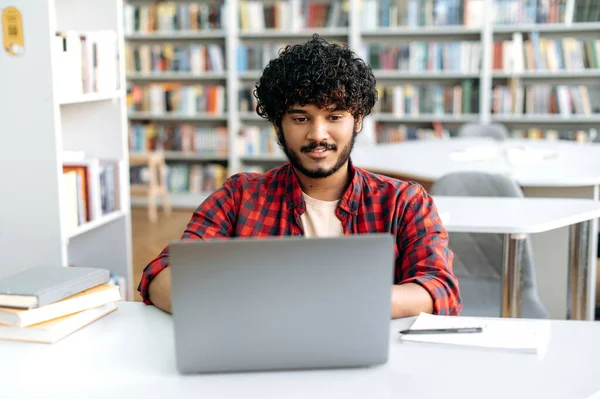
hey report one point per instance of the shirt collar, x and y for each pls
(349, 201)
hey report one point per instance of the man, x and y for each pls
(316, 95)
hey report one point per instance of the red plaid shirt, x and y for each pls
(270, 204)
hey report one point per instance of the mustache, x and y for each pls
(322, 144)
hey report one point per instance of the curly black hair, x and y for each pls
(319, 73)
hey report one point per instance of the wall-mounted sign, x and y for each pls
(12, 30)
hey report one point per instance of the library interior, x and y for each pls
(300, 198)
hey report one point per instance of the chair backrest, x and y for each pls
(478, 258)
(494, 130)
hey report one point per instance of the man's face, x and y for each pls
(318, 141)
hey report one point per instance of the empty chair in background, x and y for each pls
(479, 257)
(494, 130)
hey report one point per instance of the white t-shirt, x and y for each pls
(319, 218)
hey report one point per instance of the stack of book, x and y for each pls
(47, 303)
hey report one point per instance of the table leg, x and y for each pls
(579, 265)
(512, 289)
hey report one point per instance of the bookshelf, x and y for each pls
(434, 61)
(64, 158)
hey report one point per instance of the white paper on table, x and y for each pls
(530, 336)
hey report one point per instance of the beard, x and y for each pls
(319, 172)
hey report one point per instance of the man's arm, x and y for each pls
(410, 299)
(214, 218)
(424, 278)
(159, 291)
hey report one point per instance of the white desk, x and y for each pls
(516, 217)
(130, 354)
(575, 164)
(574, 172)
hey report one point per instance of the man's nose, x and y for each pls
(318, 131)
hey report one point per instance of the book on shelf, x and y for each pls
(541, 99)
(398, 133)
(291, 15)
(507, 12)
(171, 16)
(74, 201)
(195, 59)
(414, 100)
(534, 133)
(255, 56)
(183, 99)
(246, 100)
(417, 13)
(86, 62)
(109, 186)
(185, 137)
(540, 54)
(89, 189)
(423, 57)
(470, 13)
(259, 141)
(185, 178)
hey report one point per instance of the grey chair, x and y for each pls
(494, 130)
(478, 257)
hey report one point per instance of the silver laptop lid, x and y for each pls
(281, 303)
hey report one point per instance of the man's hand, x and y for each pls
(160, 290)
(409, 300)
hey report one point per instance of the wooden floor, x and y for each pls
(150, 238)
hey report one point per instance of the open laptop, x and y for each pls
(281, 303)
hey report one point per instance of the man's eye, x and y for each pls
(336, 117)
(300, 119)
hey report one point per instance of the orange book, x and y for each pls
(211, 104)
(498, 56)
(83, 189)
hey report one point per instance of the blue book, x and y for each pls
(242, 58)
(537, 52)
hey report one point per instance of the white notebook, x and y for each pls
(510, 334)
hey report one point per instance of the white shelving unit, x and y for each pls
(356, 36)
(40, 124)
(160, 36)
(91, 97)
(199, 117)
(175, 77)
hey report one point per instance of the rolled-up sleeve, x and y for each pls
(424, 257)
(214, 218)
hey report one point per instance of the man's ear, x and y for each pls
(277, 126)
(358, 123)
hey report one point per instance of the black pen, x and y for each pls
(444, 331)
